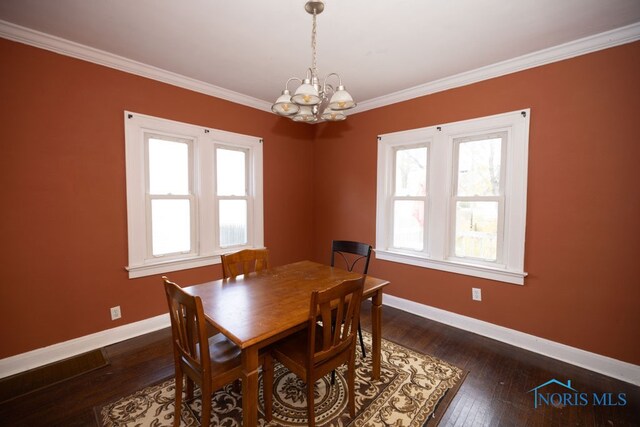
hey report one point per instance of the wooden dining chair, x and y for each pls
(314, 352)
(355, 252)
(244, 262)
(208, 362)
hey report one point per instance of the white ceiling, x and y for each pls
(381, 48)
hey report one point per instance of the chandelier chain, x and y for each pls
(314, 66)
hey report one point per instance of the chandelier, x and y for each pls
(310, 101)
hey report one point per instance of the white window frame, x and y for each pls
(205, 235)
(500, 198)
(150, 197)
(424, 199)
(217, 198)
(440, 224)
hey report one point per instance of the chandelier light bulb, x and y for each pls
(341, 100)
(333, 116)
(306, 114)
(306, 94)
(283, 105)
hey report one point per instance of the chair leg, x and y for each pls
(364, 353)
(237, 386)
(311, 410)
(177, 415)
(189, 388)
(351, 383)
(267, 386)
(205, 397)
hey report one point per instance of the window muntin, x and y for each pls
(475, 213)
(191, 194)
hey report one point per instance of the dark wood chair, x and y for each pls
(314, 352)
(208, 362)
(244, 262)
(351, 253)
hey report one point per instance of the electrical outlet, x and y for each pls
(476, 294)
(115, 313)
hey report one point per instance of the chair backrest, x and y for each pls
(361, 250)
(244, 262)
(189, 330)
(335, 306)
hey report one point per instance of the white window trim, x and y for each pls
(190, 196)
(217, 198)
(500, 198)
(440, 140)
(205, 140)
(393, 197)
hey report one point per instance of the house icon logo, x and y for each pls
(565, 395)
(555, 399)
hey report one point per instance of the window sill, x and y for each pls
(172, 265)
(514, 277)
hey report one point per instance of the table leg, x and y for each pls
(250, 386)
(376, 329)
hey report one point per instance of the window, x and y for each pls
(478, 197)
(410, 197)
(453, 197)
(192, 194)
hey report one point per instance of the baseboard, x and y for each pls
(618, 369)
(53, 353)
(605, 365)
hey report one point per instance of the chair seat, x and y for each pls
(293, 353)
(295, 346)
(224, 354)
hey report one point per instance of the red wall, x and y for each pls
(583, 214)
(63, 220)
(63, 217)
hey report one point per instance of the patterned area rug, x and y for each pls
(410, 387)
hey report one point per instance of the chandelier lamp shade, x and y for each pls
(314, 99)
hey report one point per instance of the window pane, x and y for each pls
(168, 167)
(408, 224)
(476, 230)
(233, 222)
(479, 167)
(231, 172)
(411, 172)
(170, 226)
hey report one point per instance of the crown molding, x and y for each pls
(619, 36)
(62, 46)
(616, 37)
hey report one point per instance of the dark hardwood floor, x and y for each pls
(494, 393)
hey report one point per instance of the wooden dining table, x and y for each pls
(257, 309)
